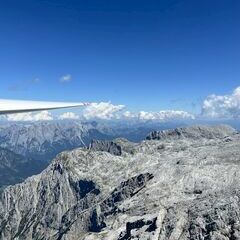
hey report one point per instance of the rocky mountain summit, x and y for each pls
(169, 187)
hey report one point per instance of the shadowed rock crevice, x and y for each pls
(86, 187)
(96, 222)
(83, 187)
(96, 214)
(150, 226)
(127, 189)
(106, 146)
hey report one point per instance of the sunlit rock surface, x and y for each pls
(183, 187)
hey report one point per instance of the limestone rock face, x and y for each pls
(178, 188)
(115, 147)
(106, 146)
(195, 132)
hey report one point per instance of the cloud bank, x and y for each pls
(108, 111)
(214, 106)
(167, 115)
(222, 106)
(102, 110)
(68, 115)
(31, 117)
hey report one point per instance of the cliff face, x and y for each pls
(179, 188)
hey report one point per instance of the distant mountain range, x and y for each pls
(44, 140)
(15, 168)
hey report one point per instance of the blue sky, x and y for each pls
(147, 55)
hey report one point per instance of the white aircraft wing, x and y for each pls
(20, 106)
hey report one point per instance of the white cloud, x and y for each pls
(40, 116)
(128, 114)
(108, 111)
(222, 106)
(68, 115)
(66, 78)
(102, 110)
(166, 115)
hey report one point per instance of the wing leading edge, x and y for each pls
(20, 106)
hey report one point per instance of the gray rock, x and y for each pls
(115, 147)
(195, 132)
(177, 188)
(106, 146)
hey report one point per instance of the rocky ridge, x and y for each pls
(176, 188)
(194, 132)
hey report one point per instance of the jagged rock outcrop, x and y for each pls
(115, 147)
(106, 146)
(180, 188)
(195, 132)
